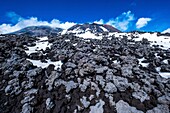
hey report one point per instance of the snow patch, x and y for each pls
(165, 61)
(38, 63)
(115, 62)
(78, 30)
(104, 29)
(64, 32)
(67, 40)
(75, 44)
(163, 74)
(88, 34)
(143, 64)
(40, 44)
(43, 38)
(160, 40)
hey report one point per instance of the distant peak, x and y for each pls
(94, 28)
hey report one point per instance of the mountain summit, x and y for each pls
(84, 29)
(93, 28)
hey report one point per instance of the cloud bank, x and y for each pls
(142, 22)
(32, 21)
(122, 22)
(166, 31)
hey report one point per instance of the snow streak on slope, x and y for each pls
(88, 34)
(104, 29)
(42, 44)
(38, 63)
(155, 40)
(152, 37)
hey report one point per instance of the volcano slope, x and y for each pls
(118, 73)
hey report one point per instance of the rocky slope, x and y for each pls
(116, 73)
(93, 28)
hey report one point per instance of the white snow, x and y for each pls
(156, 54)
(38, 63)
(110, 38)
(163, 74)
(104, 29)
(160, 40)
(115, 62)
(165, 61)
(86, 40)
(98, 108)
(75, 111)
(152, 37)
(67, 40)
(40, 44)
(77, 31)
(143, 64)
(43, 38)
(88, 29)
(64, 32)
(88, 34)
(75, 44)
(120, 35)
(68, 96)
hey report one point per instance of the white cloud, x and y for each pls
(142, 22)
(33, 21)
(101, 21)
(122, 22)
(166, 31)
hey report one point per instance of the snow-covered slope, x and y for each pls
(163, 41)
(94, 28)
(95, 31)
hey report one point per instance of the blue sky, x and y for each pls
(126, 15)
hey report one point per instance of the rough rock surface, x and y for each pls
(123, 107)
(70, 74)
